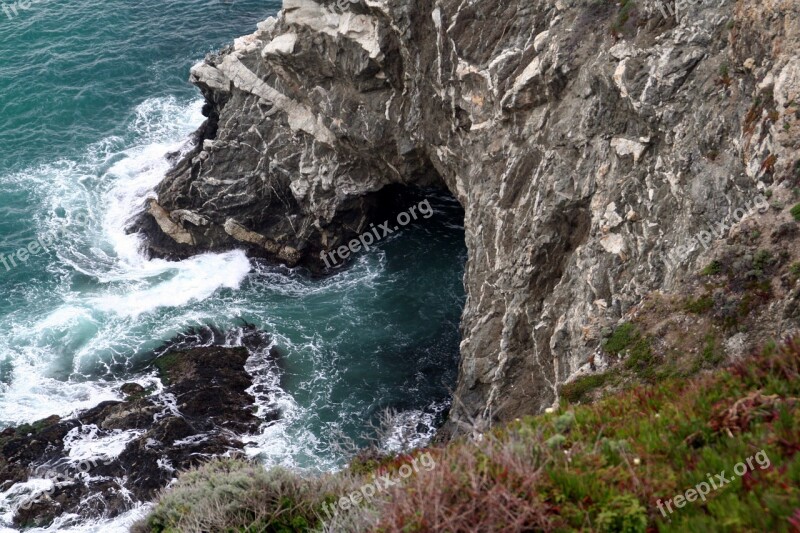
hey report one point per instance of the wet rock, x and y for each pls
(222, 401)
(202, 411)
(132, 390)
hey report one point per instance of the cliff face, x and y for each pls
(591, 144)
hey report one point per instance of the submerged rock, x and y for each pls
(103, 460)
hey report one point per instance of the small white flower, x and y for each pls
(549, 410)
(637, 461)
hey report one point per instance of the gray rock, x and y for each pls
(537, 116)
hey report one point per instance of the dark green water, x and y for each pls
(92, 95)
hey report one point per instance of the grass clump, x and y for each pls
(236, 495)
(724, 74)
(711, 355)
(795, 211)
(641, 359)
(700, 305)
(626, 11)
(712, 269)
(564, 423)
(578, 390)
(794, 270)
(627, 339)
(623, 514)
(622, 338)
(762, 261)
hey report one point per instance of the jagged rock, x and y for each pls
(168, 226)
(536, 116)
(201, 413)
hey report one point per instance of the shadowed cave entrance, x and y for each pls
(395, 347)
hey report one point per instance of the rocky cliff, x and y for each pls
(603, 152)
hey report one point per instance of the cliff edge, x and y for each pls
(603, 152)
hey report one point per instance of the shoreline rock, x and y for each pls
(201, 413)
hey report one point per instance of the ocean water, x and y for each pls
(92, 96)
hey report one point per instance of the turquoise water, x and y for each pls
(92, 95)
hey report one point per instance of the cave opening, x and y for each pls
(406, 366)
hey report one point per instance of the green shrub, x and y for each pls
(700, 305)
(711, 354)
(578, 390)
(796, 212)
(642, 360)
(621, 339)
(236, 495)
(623, 514)
(612, 450)
(640, 354)
(712, 269)
(556, 441)
(761, 261)
(564, 422)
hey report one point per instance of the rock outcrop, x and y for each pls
(104, 460)
(590, 144)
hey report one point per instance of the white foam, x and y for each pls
(412, 429)
(33, 396)
(21, 494)
(286, 441)
(124, 303)
(77, 524)
(134, 178)
(89, 444)
(194, 279)
(273, 444)
(87, 323)
(65, 317)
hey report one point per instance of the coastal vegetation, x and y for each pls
(607, 466)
